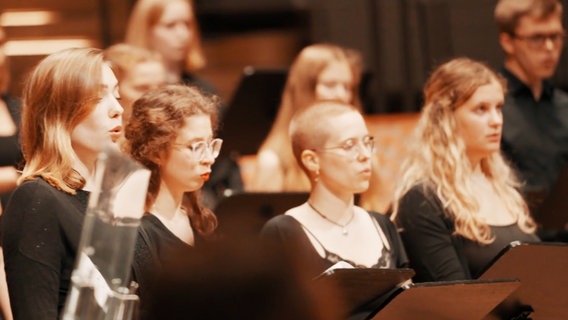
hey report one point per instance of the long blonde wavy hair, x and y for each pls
(438, 159)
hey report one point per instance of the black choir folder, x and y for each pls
(359, 287)
(445, 300)
(246, 213)
(542, 269)
(389, 294)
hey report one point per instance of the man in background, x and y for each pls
(535, 130)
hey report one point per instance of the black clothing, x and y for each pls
(535, 133)
(435, 253)
(155, 247)
(41, 231)
(285, 229)
(480, 256)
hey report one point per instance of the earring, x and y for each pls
(316, 175)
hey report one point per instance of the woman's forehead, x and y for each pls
(343, 126)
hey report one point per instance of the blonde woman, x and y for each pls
(320, 72)
(70, 114)
(458, 203)
(170, 28)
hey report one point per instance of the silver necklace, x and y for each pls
(344, 230)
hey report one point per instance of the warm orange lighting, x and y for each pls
(44, 47)
(28, 18)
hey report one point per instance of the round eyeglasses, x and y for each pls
(537, 41)
(354, 147)
(199, 149)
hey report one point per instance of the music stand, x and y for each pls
(246, 213)
(541, 268)
(358, 287)
(446, 300)
(254, 106)
(252, 110)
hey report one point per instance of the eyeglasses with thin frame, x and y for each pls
(538, 40)
(353, 147)
(199, 149)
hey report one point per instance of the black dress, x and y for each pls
(435, 253)
(156, 246)
(41, 231)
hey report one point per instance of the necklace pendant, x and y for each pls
(345, 232)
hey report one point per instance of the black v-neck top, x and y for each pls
(156, 245)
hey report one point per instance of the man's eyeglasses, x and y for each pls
(354, 147)
(538, 40)
(200, 148)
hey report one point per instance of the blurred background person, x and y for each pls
(535, 129)
(332, 145)
(241, 279)
(137, 70)
(320, 72)
(170, 28)
(171, 132)
(70, 114)
(458, 203)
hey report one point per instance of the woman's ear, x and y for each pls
(310, 160)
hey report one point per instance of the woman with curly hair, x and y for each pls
(171, 132)
(458, 202)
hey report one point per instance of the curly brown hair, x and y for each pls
(156, 120)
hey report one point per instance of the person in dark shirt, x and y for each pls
(331, 143)
(535, 129)
(71, 113)
(171, 132)
(457, 203)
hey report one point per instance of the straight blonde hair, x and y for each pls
(59, 93)
(298, 93)
(146, 14)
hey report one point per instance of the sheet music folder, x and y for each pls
(252, 110)
(360, 286)
(446, 300)
(542, 269)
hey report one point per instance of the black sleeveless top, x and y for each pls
(289, 231)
